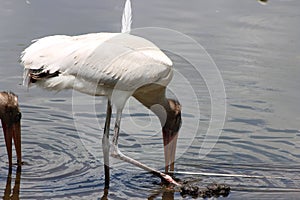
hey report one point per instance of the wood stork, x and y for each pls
(10, 116)
(116, 65)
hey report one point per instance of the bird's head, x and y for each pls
(170, 131)
(10, 116)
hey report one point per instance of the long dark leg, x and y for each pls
(116, 153)
(8, 141)
(105, 143)
(17, 141)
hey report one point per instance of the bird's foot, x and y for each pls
(170, 180)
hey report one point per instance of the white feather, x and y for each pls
(108, 60)
(126, 18)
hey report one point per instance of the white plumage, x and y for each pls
(116, 65)
(105, 60)
(126, 18)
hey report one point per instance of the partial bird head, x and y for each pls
(10, 116)
(170, 133)
(173, 122)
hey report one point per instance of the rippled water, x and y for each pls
(256, 49)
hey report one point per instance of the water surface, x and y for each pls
(256, 49)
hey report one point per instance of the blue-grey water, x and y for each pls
(256, 49)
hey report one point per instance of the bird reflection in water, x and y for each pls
(105, 194)
(10, 193)
(165, 194)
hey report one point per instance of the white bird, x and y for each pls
(10, 116)
(116, 65)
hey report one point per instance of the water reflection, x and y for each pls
(166, 195)
(105, 194)
(161, 193)
(10, 193)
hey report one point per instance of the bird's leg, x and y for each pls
(8, 141)
(105, 143)
(116, 153)
(17, 141)
(115, 150)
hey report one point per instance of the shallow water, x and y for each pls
(256, 50)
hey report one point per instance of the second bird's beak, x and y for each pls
(13, 132)
(170, 141)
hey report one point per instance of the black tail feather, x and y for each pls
(36, 75)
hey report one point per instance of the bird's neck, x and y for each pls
(162, 110)
(154, 98)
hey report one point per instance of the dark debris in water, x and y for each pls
(212, 190)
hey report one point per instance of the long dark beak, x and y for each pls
(13, 131)
(170, 141)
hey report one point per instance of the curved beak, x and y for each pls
(170, 141)
(13, 131)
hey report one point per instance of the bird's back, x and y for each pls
(105, 60)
